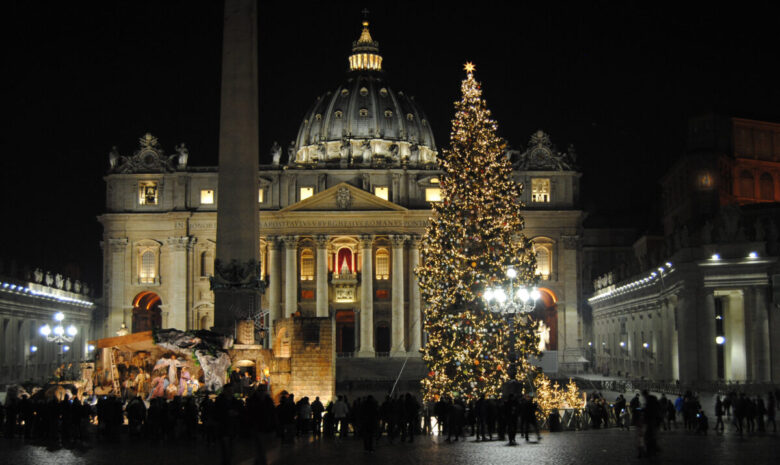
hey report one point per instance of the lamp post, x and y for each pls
(59, 335)
(509, 305)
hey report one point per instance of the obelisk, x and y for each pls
(236, 282)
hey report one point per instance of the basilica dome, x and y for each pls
(363, 122)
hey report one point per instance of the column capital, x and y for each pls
(398, 240)
(290, 242)
(272, 242)
(366, 241)
(117, 244)
(321, 240)
(180, 242)
(414, 241)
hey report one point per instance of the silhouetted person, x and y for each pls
(369, 422)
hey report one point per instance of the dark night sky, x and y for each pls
(618, 80)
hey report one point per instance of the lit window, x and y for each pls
(409, 116)
(307, 265)
(363, 112)
(382, 264)
(147, 272)
(433, 194)
(207, 196)
(388, 113)
(147, 193)
(382, 192)
(338, 114)
(261, 195)
(434, 180)
(540, 190)
(543, 262)
(306, 192)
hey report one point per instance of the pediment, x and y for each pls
(343, 197)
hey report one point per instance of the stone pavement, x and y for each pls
(597, 447)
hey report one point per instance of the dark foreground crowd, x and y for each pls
(220, 419)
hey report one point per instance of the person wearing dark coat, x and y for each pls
(652, 414)
(512, 409)
(369, 422)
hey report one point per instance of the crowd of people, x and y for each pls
(240, 407)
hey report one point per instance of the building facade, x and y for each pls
(706, 305)
(29, 302)
(341, 214)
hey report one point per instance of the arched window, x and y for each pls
(307, 265)
(543, 248)
(148, 270)
(543, 262)
(746, 185)
(207, 263)
(382, 264)
(766, 186)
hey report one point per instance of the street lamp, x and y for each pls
(59, 334)
(508, 303)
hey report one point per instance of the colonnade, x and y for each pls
(691, 334)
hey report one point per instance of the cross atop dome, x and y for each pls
(365, 51)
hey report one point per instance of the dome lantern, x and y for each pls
(365, 52)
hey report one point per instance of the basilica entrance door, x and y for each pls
(382, 339)
(345, 331)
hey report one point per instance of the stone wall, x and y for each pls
(312, 361)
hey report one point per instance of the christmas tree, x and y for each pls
(473, 238)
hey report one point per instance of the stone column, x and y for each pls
(238, 221)
(686, 336)
(760, 335)
(176, 281)
(366, 297)
(398, 345)
(116, 249)
(708, 369)
(290, 275)
(415, 311)
(569, 348)
(322, 276)
(274, 286)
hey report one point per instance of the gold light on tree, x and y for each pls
(473, 237)
(550, 396)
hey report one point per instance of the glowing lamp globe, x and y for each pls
(59, 316)
(59, 330)
(535, 294)
(523, 294)
(72, 331)
(45, 330)
(511, 273)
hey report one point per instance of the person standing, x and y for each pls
(316, 413)
(719, 414)
(650, 418)
(771, 408)
(512, 409)
(529, 417)
(369, 422)
(340, 411)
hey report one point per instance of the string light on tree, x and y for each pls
(473, 239)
